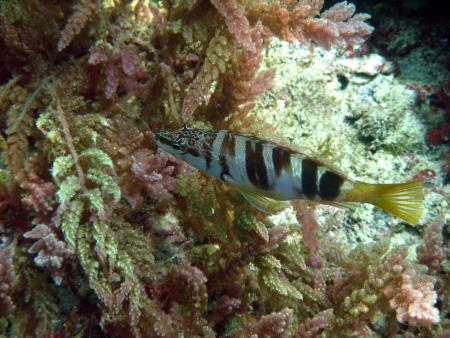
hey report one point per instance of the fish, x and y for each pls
(269, 175)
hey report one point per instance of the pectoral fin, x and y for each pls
(265, 201)
(265, 204)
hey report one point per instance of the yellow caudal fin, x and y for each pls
(404, 200)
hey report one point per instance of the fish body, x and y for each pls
(264, 170)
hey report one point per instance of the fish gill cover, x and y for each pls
(104, 234)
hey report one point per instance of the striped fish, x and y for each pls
(265, 173)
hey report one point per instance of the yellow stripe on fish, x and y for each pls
(264, 171)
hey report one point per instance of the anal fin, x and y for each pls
(341, 205)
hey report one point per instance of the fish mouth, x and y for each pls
(162, 138)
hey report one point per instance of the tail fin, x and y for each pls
(404, 200)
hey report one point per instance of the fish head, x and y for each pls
(180, 142)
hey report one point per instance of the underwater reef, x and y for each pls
(103, 234)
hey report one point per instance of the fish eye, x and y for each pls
(185, 127)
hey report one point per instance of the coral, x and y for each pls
(297, 21)
(123, 68)
(414, 301)
(217, 56)
(314, 325)
(431, 253)
(39, 194)
(155, 172)
(7, 280)
(19, 124)
(390, 282)
(310, 226)
(82, 13)
(245, 83)
(51, 251)
(235, 19)
(339, 26)
(274, 324)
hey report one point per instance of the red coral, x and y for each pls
(83, 12)
(286, 19)
(310, 227)
(12, 37)
(159, 22)
(275, 325)
(153, 173)
(6, 280)
(235, 19)
(185, 285)
(409, 291)
(196, 94)
(439, 135)
(414, 301)
(243, 85)
(224, 308)
(51, 251)
(312, 327)
(40, 196)
(156, 170)
(338, 26)
(432, 252)
(297, 21)
(276, 236)
(123, 68)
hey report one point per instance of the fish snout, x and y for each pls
(161, 138)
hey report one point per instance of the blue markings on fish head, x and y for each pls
(184, 142)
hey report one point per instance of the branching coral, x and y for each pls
(292, 20)
(386, 282)
(432, 252)
(82, 12)
(51, 251)
(154, 172)
(7, 280)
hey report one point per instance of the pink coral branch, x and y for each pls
(235, 19)
(6, 280)
(312, 327)
(432, 252)
(338, 26)
(51, 252)
(83, 12)
(410, 293)
(414, 301)
(310, 227)
(275, 325)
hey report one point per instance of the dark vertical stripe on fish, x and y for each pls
(309, 178)
(225, 170)
(261, 169)
(193, 151)
(330, 185)
(281, 159)
(250, 162)
(229, 144)
(207, 152)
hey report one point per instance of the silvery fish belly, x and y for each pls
(264, 171)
